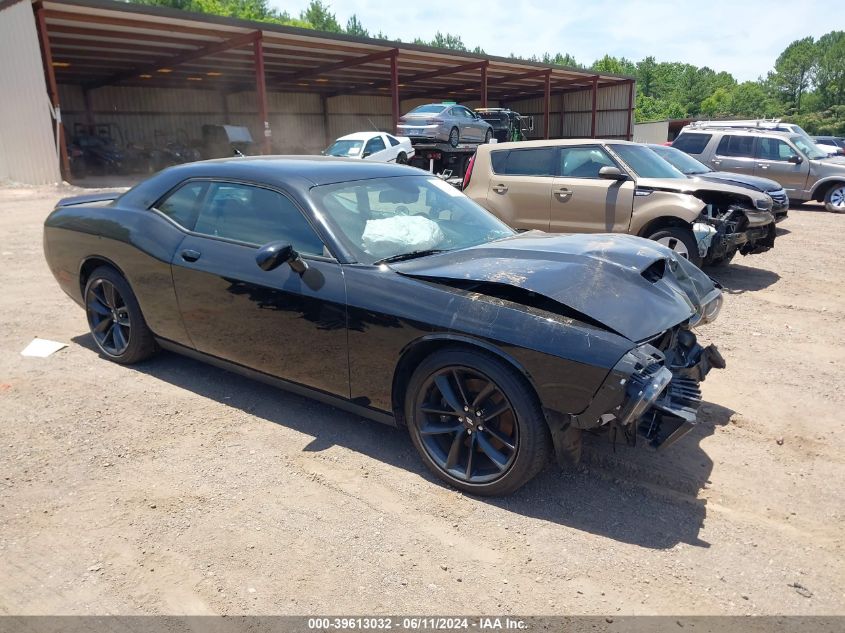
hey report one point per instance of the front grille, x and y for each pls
(778, 196)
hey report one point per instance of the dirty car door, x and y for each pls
(277, 322)
(520, 188)
(584, 203)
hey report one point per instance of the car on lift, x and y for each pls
(383, 290)
(598, 186)
(507, 125)
(444, 122)
(376, 146)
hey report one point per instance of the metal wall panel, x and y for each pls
(611, 118)
(651, 132)
(27, 141)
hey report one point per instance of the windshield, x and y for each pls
(432, 108)
(345, 148)
(645, 163)
(681, 161)
(386, 217)
(808, 147)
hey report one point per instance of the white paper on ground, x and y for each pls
(42, 348)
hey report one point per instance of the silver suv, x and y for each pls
(804, 171)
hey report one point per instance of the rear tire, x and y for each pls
(834, 199)
(454, 137)
(115, 320)
(680, 240)
(488, 135)
(402, 159)
(475, 422)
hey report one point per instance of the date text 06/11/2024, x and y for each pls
(421, 623)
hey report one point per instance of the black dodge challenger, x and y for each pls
(384, 291)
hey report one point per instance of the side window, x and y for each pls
(393, 142)
(583, 162)
(375, 144)
(692, 143)
(182, 206)
(255, 216)
(773, 149)
(498, 160)
(529, 162)
(467, 114)
(732, 145)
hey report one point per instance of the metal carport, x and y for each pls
(150, 66)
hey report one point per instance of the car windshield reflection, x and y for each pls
(383, 218)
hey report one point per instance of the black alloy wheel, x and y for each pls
(114, 317)
(108, 317)
(454, 137)
(476, 424)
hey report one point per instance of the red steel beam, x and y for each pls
(547, 104)
(484, 84)
(345, 63)
(595, 105)
(630, 109)
(261, 94)
(47, 57)
(165, 62)
(394, 88)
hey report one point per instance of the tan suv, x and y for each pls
(595, 186)
(803, 170)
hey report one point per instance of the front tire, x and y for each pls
(834, 200)
(680, 240)
(476, 423)
(115, 320)
(454, 137)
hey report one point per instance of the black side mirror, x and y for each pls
(612, 173)
(272, 255)
(795, 159)
(366, 153)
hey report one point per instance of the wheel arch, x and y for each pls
(822, 187)
(418, 349)
(664, 221)
(92, 263)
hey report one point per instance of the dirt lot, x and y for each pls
(174, 487)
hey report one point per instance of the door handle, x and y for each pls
(716, 162)
(500, 188)
(190, 255)
(762, 166)
(564, 194)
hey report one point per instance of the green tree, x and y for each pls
(646, 76)
(354, 27)
(794, 72)
(614, 65)
(830, 68)
(320, 17)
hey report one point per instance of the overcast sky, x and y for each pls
(743, 37)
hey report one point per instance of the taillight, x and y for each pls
(434, 121)
(468, 173)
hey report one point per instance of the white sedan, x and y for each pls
(377, 146)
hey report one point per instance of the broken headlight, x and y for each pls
(709, 309)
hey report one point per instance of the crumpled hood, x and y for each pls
(599, 275)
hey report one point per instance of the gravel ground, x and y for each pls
(174, 487)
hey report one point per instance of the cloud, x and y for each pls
(742, 37)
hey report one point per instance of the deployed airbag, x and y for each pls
(400, 234)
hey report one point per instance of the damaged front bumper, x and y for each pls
(750, 233)
(651, 393)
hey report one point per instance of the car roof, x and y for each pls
(281, 170)
(555, 142)
(359, 136)
(739, 131)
